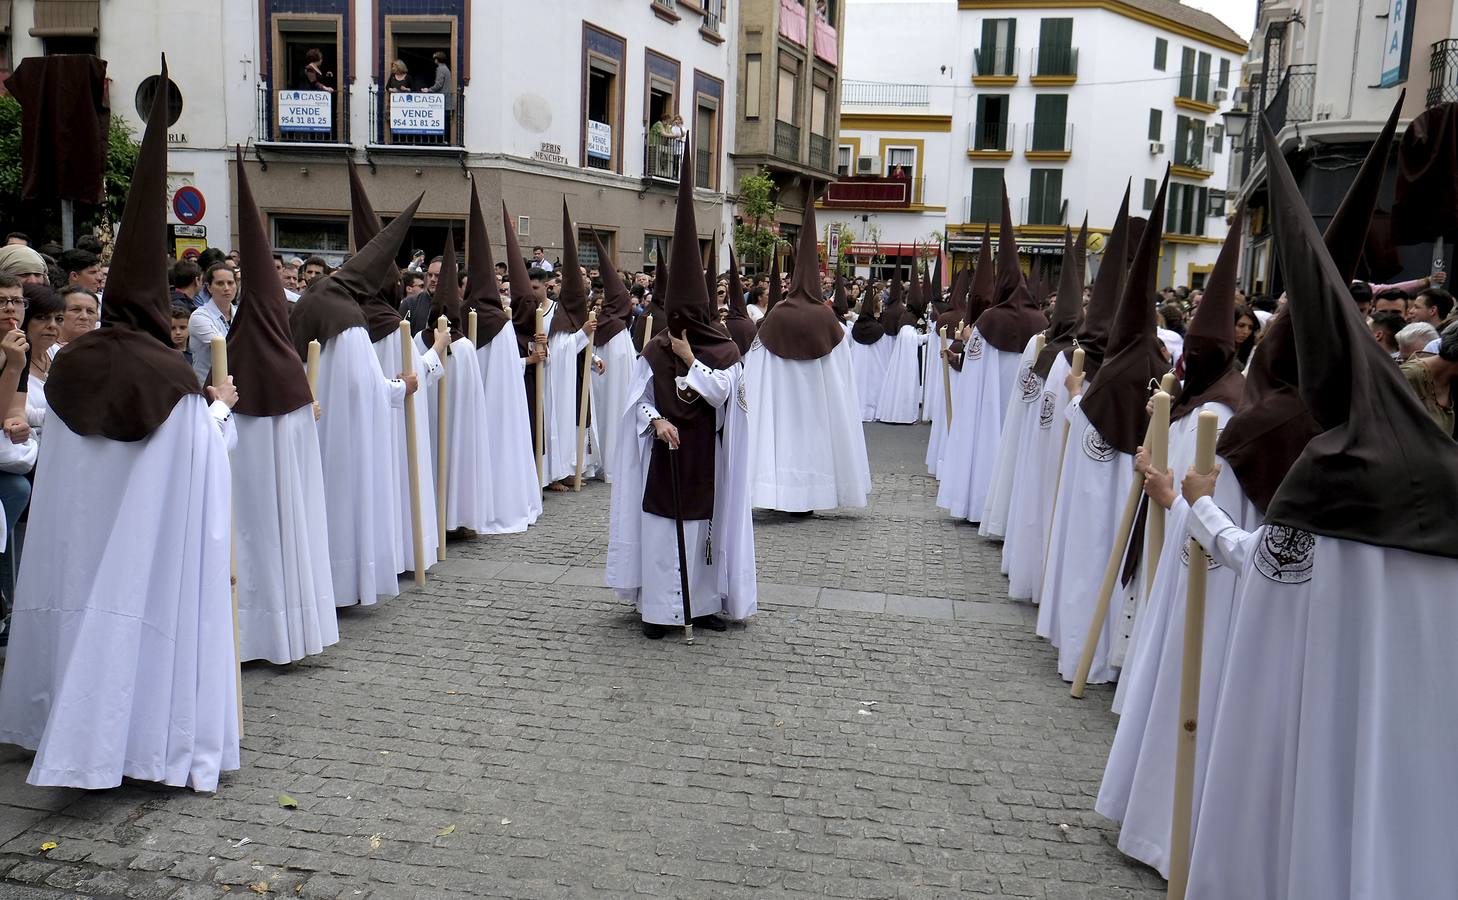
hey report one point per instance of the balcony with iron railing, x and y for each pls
(1443, 72)
(990, 139)
(873, 192)
(820, 152)
(1044, 211)
(703, 167)
(1292, 102)
(1048, 140)
(874, 93)
(787, 141)
(1055, 65)
(416, 120)
(302, 118)
(662, 158)
(996, 66)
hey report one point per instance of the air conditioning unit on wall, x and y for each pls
(1156, 148)
(868, 165)
(1221, 95)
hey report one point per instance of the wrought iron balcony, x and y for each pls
(416, 119)
(1055, 62)
(990, 136)
(787, 141)
(662, 158)
(1443, 72)
(873, 193)
(871, 93)
(1049, 137)
(302, 117)
(820, 152)
(1000, 61)
(1044, 211)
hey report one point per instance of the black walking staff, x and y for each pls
(683, 579)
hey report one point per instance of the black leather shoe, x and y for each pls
(712, 623)
(653, 631)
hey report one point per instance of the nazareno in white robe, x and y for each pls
(467, 491)
(610, 394)
(1330, 769)
(359, 483)
(559, 446)
(1031, 503)
(1138, 784)
(1023, 396)
(969, 451)
(285, 588)
(642, 561)
(428, 370)
(869, 362)
(940, 427)
(932, 392)
(121, 654)
(1091, 495)
(509, 456)
(900, 400)
(807, 448)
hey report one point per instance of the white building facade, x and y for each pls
(540, 100)
(1066, 101)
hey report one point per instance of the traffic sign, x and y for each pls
(188, 204)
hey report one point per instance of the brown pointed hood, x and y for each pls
(1069, 304)
(483, 294)
(1346, 233)
(123, 380)
(1381, 472)
(261, 355)
(519, 286)
(689, 311)
(839, 302)
(1115, 400)
(334, 303)
(617, 302)
(934, 285)
(1092, 335)
(1011, 322)
(956, 309)
(381, 308)
(571, 312)
(982, 292)
(802, 326)
(655, 306)
(447, 298)
(916, 296)
(867, 328)
(895, 308)
(773, 292)
(741, 327)
(711, 273)
(1272, 426)
(1212, 373)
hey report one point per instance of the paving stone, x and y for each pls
(920, 607)
(772, 595)
(856, 601)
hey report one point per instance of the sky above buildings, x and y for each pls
(1238, 14)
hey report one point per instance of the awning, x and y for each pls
(67, 18)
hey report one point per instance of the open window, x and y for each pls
(708, 129)
(603, 65)
(665, 130)
(309, 93)
(416, 105)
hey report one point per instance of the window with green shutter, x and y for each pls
(1189, 142)
(1050, 122)
(991, 130)
(1156, 124)
(986, 195)
(1151, 189)
(1055, 48)
(1045, 197)
(1202, 78)
(1161, 53)
(1187, 73)
(1224, 73)
(996, 54)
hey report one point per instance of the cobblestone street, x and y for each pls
(887, 726)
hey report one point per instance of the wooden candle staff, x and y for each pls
(442, 325)
(312, 369)
(946, 376)
(1111, 574)
(1158, 460)
(220, 378)
(412, 456)
(541, 399)
(1194, 643)
(583, 402)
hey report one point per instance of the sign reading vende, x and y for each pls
(305, 111)
(417, 113)
(599, 140)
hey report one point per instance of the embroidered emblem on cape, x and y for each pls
(974, 346)
(1096, 446)
(1045, 410)
(1285, 554)
(1031, 385)
(1210, 564)
(740, 397)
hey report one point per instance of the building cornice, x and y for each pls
(913, 123)
(1114, 6)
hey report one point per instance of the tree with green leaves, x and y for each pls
(121, 158)
(755, 236)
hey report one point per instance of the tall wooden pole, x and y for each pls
(583, 402)
(220, 377)
(1159, 460)
(541, 402)
(1194, 649)
(442, 435)
(412, 456)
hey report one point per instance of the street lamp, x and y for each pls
(1235, 122)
